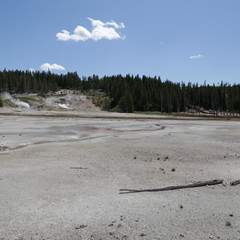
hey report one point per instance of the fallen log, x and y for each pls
(192, 185)
(235, 183)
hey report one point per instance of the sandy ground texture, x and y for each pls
(60, 178)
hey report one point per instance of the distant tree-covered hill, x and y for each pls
(129, 93)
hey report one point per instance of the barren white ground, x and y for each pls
(43, 194)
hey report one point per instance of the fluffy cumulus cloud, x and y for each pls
(196, 56)
(50, 67)
(99, 31)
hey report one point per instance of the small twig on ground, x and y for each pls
(192, 185)
(78, 168)
(81, 226)
(235, 183)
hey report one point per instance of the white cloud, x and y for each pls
(100, 30)
(97, 23)
(115, 25)
(81, 34)
(196, 56)
(50, 67)
(162, 43)
(63, 35)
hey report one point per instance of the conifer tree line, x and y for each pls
(36, 82)
(129, 93)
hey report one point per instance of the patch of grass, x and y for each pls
(100, 99)
(152, 112)
(29, 99)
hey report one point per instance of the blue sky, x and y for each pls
(179, 40)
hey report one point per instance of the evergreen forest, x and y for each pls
(129, 93)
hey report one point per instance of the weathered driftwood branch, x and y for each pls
(192, 185)
(235, 183)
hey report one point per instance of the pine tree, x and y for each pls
(126, 100)
(1, 102)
